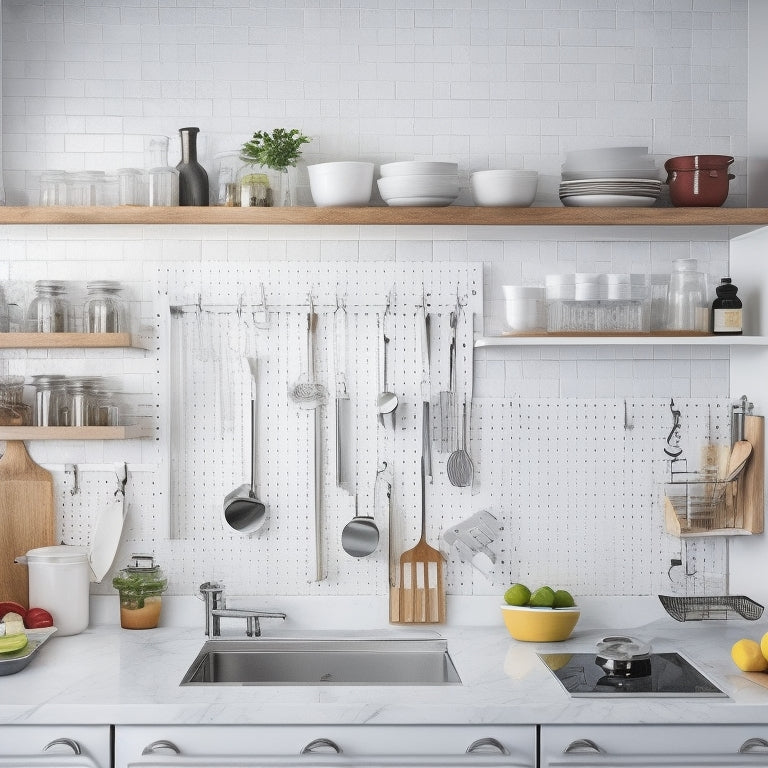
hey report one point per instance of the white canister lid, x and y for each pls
(59, 553)
(523, 291)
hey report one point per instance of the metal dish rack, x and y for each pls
(711, 608)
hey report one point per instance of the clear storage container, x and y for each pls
(140, 587)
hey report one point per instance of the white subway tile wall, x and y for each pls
(487, 83)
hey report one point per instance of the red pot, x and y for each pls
(698, 180)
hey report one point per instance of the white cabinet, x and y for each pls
(55, 746)
(333, 746)
(615, 746)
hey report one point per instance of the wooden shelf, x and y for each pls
(652, 339)
(383, 215)
(65, 340)
(73, 433)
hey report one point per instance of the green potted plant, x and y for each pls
(264, 179)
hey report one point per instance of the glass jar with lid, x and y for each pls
(104, 309)
(45, 408)
(49, 311)
(85, 187)
(13, 411)
(140, 587)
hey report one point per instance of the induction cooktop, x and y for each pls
(670, 675)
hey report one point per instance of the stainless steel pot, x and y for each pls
(623, 656)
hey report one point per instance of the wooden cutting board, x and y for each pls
(26, 517)
(761, 678)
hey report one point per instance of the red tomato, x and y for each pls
(8, 606)
(37, 618)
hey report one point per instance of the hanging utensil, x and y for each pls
(387, 400)
(447, 397)
(421, 591)
(360, 536)
(459, 466)
(109, 528)
(307, 392)
(243, 511)
(344, 475)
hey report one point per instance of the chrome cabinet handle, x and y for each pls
(159, 746)
(487, 744)
(754, 745)
(321, 745)
(71, 743)
(582, 745)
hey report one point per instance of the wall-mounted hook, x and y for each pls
(673, 448)
(261, 317)
(71, 469)
(628, 424)
(121, 473)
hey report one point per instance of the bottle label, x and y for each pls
(726, 321)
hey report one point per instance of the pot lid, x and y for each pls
(622, 648)
(59, 553)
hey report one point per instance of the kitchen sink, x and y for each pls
(323, 662)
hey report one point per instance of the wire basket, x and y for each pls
(711, 608)
(703, 505)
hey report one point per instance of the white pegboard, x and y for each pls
(215, 322)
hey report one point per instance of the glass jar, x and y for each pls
(140, 587)
(74, 409)
(226, 190)
(85, 187)
(104, 411)
(49, 311)
(130, 186)
(53, 188)
(163, 178)
(687, 299)
(263, 187)
(45, 411)
(104, 309)
(13, 411)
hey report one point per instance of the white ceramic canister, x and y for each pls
(524, 308)
(59, 581)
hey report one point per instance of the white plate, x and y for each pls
(610, 201)
(617, 180)
(421, 201)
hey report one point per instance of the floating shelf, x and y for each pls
(384, 215)
(66, 340)
(653, 339)
(74, 433)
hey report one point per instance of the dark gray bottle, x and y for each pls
(193, 180)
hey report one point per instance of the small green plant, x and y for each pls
(277, 150)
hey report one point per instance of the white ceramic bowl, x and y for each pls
(341, 183)
(512, 188)
(446, 185)
(418, 168)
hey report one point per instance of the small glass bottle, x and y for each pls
(104, 308)
(49, 311)
(193, 179)
(163, 178)
(726, 310)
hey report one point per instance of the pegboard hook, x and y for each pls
(72, 469)
(121, 473)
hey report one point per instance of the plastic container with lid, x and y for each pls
(140, 586)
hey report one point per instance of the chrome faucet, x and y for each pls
(215, 610)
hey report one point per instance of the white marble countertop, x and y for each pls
(110, 675)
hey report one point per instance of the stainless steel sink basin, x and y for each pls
(323, 662)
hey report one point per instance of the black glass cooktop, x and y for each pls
(670, 675)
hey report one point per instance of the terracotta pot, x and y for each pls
(698, 180)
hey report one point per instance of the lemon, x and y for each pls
(517, 594)
(563, 599)
(748, 657)
(543, 597)
(764, 645)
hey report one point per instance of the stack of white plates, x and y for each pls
(609, 163)
(419, 183)
(610, 192)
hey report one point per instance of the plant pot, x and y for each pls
(698, 180)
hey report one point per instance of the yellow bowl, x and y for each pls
(539, 625)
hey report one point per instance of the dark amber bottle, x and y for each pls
(726, 310)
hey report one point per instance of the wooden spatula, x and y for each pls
(421, 590)
(26, 516)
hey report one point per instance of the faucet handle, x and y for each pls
(211, 590)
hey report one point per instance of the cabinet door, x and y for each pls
(55, 746)
(329, 745)
(656, 745)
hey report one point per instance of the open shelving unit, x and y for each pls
(654, 339)
(74, 433)
(68, 340)
(384, 215)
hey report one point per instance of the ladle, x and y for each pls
(360, 536)
(243, 512)
(387, 401)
